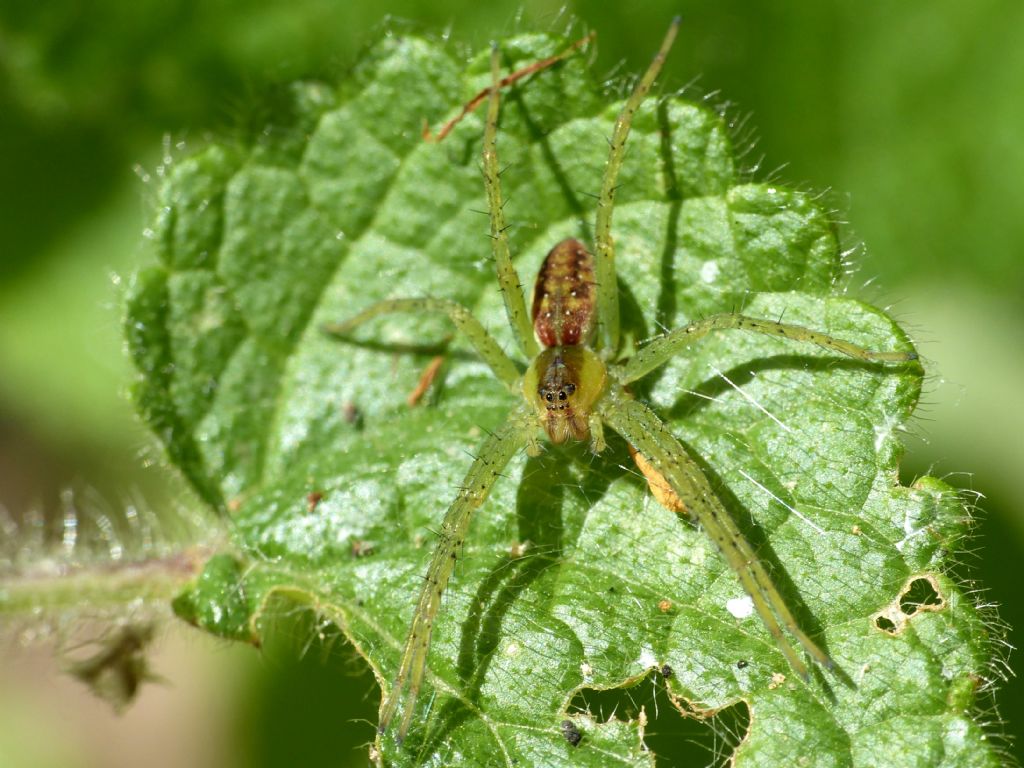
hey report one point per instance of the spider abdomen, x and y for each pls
(565, 296)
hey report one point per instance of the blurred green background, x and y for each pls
(910, 113)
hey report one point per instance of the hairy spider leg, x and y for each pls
(484, 344)
(494, 455)
(506, 81)
(670, 462)
(643, 429)
(604, 246)
(662, 349)
(508, 278)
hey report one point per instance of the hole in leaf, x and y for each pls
(885, 624)
(920, 594)
(674, 737)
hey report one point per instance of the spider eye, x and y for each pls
(548, 397)
(570, 388)
(562, 395)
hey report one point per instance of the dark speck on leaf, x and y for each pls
(571, 732)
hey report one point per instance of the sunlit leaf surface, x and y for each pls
(573, 577)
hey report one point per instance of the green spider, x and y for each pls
(574, 386)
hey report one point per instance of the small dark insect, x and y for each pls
(571, 733)
(576, 383)
(742, 664)
(666, 671)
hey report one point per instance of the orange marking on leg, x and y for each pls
(659, 486)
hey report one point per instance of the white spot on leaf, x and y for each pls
(647, 659)
(740, 607)
(709, 271)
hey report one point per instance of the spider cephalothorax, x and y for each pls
(564, 383)
(572, 391)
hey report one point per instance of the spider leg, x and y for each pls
(604, 256)
(506, 81)
(597, 442)
(484, 344)
(508, 278)
(653, 439)
(495, 453)
(662, 349)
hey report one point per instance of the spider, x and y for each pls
(575, 385)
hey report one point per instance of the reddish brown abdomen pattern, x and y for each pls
(565, 296)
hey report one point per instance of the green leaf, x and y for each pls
(334, 485)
